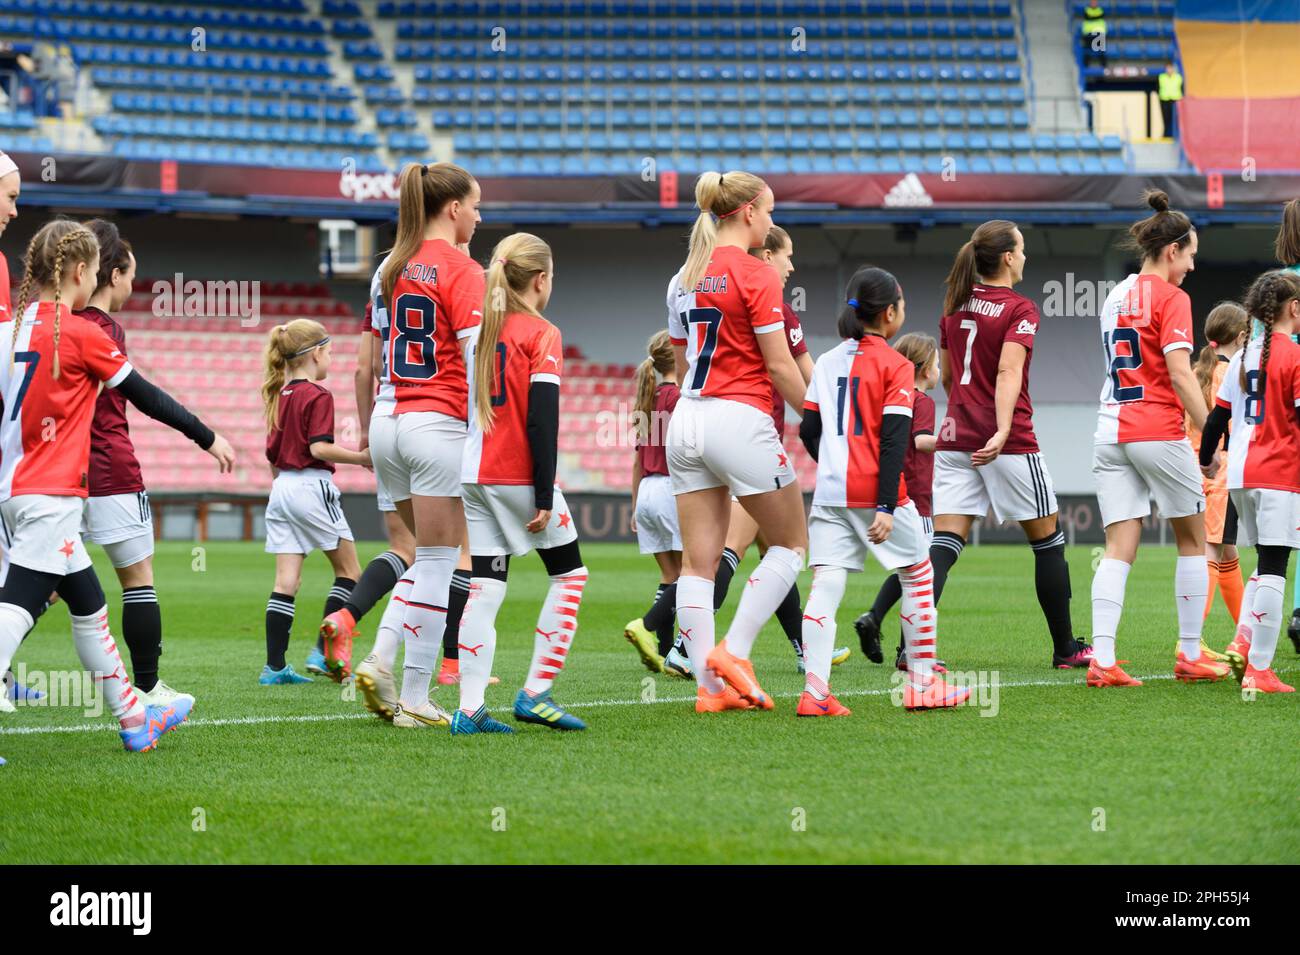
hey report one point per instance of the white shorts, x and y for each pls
(384, 499)
(837, 537)
(1130, 475)
(122, 524)
(656, 515)
(417, 453)
(305, 513)
(43, 532)
(1017, 486)
(717, 442)
(1266, 516)
(497, 515)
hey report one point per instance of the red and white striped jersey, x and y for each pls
(438, 300)
(854, 386)
(530, 350)
(45, 424)
(385, 400)
(1264, 450)
(1143, 320)
(719, 321)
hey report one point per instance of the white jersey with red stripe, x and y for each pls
(45, 425)
(854, 385)
(380, 327)
(1143, 320)
(1264, 450)
(718, 322)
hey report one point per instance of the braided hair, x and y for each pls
(1267, 296)
(56, 243)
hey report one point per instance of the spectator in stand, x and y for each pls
(15, 80)
(1171, 91)
(1094, 35)
(55, 72)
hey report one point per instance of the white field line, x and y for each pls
(104, 725)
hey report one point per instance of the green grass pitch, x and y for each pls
(1061, 773)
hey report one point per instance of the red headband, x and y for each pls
(739, 207)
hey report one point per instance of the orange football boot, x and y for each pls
(724, 699)
(1200, 670)
(449, 673)
(739, 675)
(936, 695)
(1099, 675)
(337, 631)
(809, 705)
(1237, 652)
(1264, 681)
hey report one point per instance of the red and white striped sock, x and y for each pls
(819, 628)
(98, 652)
(556, 625)
(920, 620)
(389, 635)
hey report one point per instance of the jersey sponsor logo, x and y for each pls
(1026, 327)
(796, 335)
(908, 191)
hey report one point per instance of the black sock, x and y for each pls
(890, 593)
(945, 548)
(279, 624)
(339, 593)
(1052, 581)
(790, 615)
(722, 581)
(455, 608)
(662, 615)
(380, 576)
(142, 631)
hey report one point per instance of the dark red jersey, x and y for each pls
(973, 336)
(794, 336)
(114, 468)
(650, 452)
(306, 415)
(918, 466)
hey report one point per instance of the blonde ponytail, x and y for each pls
(515, 260)
(284, 344)
(717, 195)
(422, 193)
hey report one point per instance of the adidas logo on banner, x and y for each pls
(908, 191)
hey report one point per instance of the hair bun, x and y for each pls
(1157, 199)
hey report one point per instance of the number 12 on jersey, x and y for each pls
(1115, 363)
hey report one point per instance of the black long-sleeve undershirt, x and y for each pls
(543, 429)
(1215, 430)
(810, 431)
(160, 406)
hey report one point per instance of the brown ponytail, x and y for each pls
(1225, 322)
(981, 257)
(1267, 296)
(660, 349)
(1162, 228)
(1287, 246)
(423, 192)
(58, 242)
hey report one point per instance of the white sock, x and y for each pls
(1244, 629)
(920, 619)
(819, 628)
(556, 625)
(1266, 619)
(1108, 585)
(98, 652)
(1191, 584)
(695, 622)
(764, 591)
(478, 639)
(424, 620)
(14, 624)
(389, 635)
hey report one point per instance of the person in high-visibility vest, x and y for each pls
(1171, 91)
(1094, 34)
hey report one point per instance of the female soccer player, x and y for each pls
(918, 474)
(724, 310)
(1261, 389)
(861, 503)
(987, 453)
(51, 367)
(433, 296)
(1287, 250)
(512, 505)
(1226, 328)
(305, 512)
(1142, 451)
(654, 511)
(118, 516)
